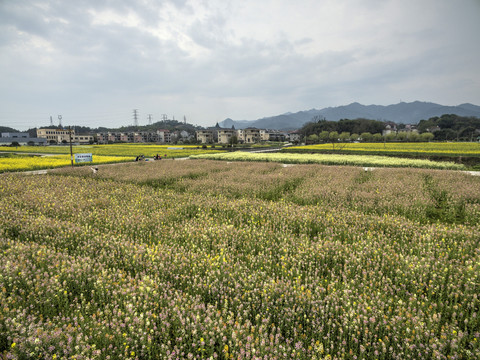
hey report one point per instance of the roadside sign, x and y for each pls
(79, 158)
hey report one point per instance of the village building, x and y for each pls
(9, 138)
(225, 135)
(251, 135)
(294, 136)
(62, 136)
(164, 136)
(208, 136)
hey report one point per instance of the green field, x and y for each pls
(205, 259)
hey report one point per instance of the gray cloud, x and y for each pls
(240, 59)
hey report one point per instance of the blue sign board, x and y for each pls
(79, 158)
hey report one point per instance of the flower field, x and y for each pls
(172, 151)
(28, 163)
(413, 148)
(204, 259)
(332, 159)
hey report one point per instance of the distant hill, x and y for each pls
(401, 113)
(7, 129)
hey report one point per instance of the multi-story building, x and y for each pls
(83, 139)
(251, 135)
(241, 135)
(164, 136)
(264, 135)
(207, 136)
(63, 136)
(294, 136)
(55, 135)
(225, 135)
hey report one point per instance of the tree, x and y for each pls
(324, 136)
(427, 137)
(313, 138)
(354, 137)
(344, 136)
(233, 140)
(413, 136)
(402, 135)
(333, 136)
(377, 137)
(390, 136)
(366, 136)
(445, 134)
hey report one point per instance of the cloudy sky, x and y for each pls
(94, 61)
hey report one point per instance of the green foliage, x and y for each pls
(442, 207)
(317, 125)
(451, 127)
(366, 136)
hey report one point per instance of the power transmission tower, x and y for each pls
(184, 119)
(164, 117)
(135, 117)
(149, 119)
(60, 121)
(51, 121)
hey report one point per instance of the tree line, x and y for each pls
(452, 127)
(445, 127)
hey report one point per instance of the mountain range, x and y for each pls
(401, 113)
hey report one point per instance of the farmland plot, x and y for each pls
(202, 259)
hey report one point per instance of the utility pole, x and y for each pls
(70, 136)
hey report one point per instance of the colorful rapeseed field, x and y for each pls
(148, 150)
(201, 259)
(421, 148)
(28, 163)
(332, 159)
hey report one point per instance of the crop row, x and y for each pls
(432, 148)
(171, 151)
(27, 163)
(332, 159)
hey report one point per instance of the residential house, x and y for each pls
(164, 136)
(294, 136)
(207, 136)
(251, 135)
(225, 135)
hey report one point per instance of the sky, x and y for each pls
(94, 61)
